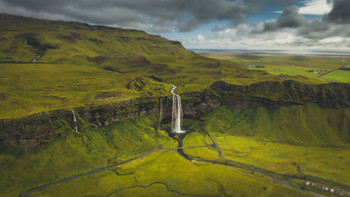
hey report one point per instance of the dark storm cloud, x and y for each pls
(290, 18)
(152, 15)
(321, 29)
(340, 12)
(335, 23)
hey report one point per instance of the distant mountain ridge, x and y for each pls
(25, 39)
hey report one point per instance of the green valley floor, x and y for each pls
(130, 158)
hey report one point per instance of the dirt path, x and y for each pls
(160, 183)
(36, 189)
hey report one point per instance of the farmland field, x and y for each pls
(316, 67)
(339, 75)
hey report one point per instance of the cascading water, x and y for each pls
(75, 122)
(160, 112)
(177, 113)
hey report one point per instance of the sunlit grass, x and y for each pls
(328, 163)
(30, 88)
(339, 75)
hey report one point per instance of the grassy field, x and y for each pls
(339, 75)
(324, 162)
(315, 67)
(30, 88)
(168, 174)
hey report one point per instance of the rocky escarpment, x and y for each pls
(32, 130)
(273, 94)
(103, 115)
(43, 127)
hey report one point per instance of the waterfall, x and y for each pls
(160, 112)
(75, 122)
(177, 113)
(36, 59)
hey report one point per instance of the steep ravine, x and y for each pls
(43, 127)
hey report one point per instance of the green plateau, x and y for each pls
(87, 111)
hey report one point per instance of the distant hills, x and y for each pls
(25, 39)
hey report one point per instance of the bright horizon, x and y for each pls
(282, 52)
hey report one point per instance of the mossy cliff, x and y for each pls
(43, 127)
(33, 130)
(273, 94)
(100, 116)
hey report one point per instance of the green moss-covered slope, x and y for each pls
(307, 125)
(23, 39)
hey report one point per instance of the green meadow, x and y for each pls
(151, 176)
(30, 88)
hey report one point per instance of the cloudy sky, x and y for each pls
(215, 24)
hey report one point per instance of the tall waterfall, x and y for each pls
(177, 113)
(75, 122)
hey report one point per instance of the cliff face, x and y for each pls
(274, 94)
(32, 130)
(43, 127)
(100, 116)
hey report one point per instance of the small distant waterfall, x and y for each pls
(160, 112)
(177, 113)
(75, 122)
(36, 59)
